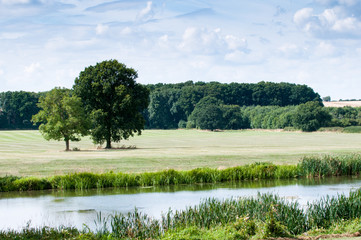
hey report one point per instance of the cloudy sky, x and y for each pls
(46, 43)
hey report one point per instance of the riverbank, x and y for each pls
(261, 217)
(325, 166)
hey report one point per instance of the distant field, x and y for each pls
(343, 104)
(26, 153)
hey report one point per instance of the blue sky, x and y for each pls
(46, 43)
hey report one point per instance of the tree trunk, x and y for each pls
(67, 145)
(109, 144)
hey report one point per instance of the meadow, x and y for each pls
(26, 153)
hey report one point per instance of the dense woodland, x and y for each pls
(211, 106)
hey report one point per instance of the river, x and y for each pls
(76, 208)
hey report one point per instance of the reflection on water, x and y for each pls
(75, 208)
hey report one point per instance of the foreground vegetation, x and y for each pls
(265, 216)
(308, 167)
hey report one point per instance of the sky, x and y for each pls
(47, 43)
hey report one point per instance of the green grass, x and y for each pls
(352, 129)
(26, 153)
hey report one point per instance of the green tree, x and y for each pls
(327, 99)
(311, 116)
(62, 116)
(163, 110)
(17, 108)
(207, 114)
(233, 118)
(113, 100)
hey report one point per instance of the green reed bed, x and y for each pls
(260, 217)
(167, 177)
(213, 212)
(29, 233)
(311, 166)
(329, 210)
(326, 166)
(274, 216)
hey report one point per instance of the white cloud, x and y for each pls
(347, 25)
(235, 43)
(292, 51)
(101, 29)
(324, 49)
(32, 67)
(331, 23)
(126, 31)
(203, 41)
(236, 56)
(146, 13)
(1, 72)
(302, 16)
(163, 41)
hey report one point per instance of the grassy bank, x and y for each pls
(262, 217)
(345, 165)
(26, 153)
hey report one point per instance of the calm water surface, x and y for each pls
(75, 208)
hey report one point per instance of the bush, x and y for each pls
(182, 124)
(352, 129)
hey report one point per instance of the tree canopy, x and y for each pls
(311, 116)
(62, 116)
(207, 114)
(171, 104)
(17, 108)
(113, 101)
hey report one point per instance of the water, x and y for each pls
(76, 208)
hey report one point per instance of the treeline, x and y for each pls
(17, 109)
(173, 105)
(213, 105)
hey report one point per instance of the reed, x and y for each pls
(29, 233)
(330, 210)
(325, 166)
(213, 212)
(311, 166)
(7, 183)
(264, 216)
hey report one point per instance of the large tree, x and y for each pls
(207, 114)
(113, 100)
(310, 116)
(62, 116)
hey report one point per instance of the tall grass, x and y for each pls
(352, 129)
(325, 166)
(213, 212)
(83, 181)
(328, 210)
(29, 233)
(314, 166)
(275, 217)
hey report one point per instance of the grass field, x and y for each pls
(26, 153)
